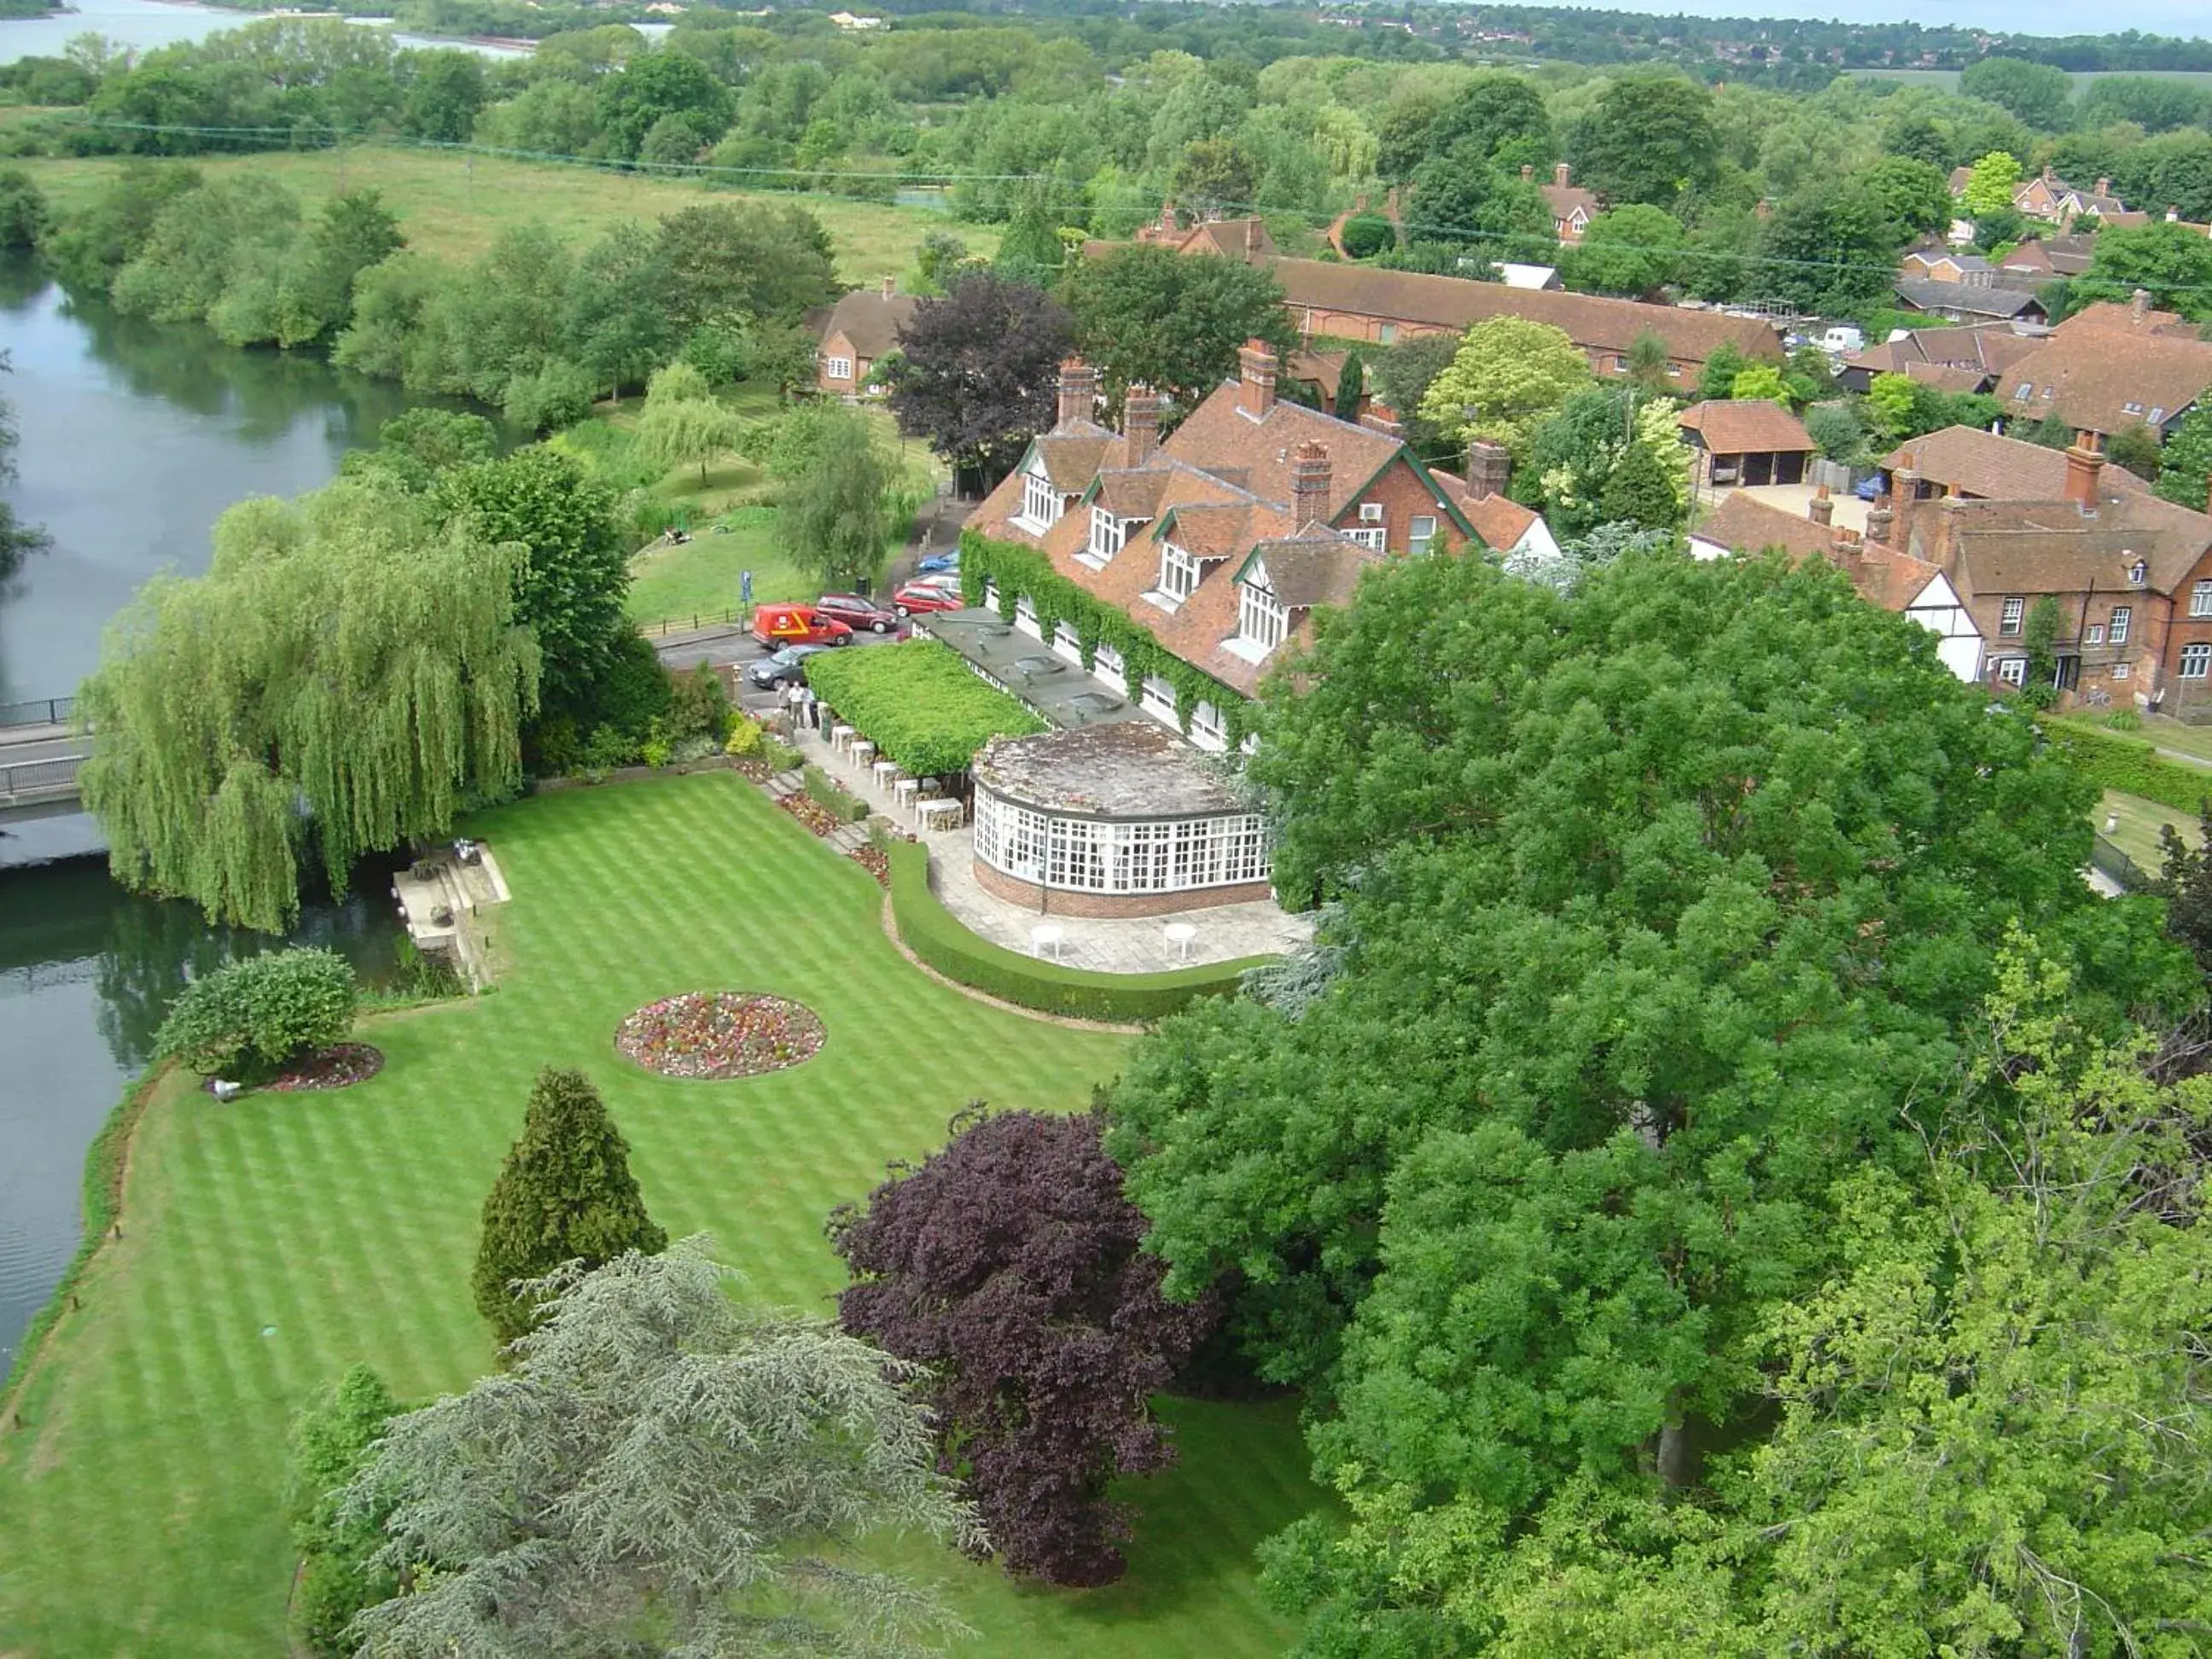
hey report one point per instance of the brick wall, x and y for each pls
(1055, 903)
(836, 345)
(1401, 494)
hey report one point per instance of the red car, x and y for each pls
(797, 624)
(917, 597)
(856, 613)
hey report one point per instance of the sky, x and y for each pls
(2176, 17)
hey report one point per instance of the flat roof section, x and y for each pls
(1026, 669)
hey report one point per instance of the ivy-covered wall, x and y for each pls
(1021, 572)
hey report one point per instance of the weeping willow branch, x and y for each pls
(346, 677)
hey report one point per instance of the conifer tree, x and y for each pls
(565, 1195)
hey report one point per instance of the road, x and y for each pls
(734, 646)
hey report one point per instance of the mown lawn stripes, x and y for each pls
(141, 1512)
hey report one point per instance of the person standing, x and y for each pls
(745, 589)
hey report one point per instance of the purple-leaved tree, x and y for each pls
(1009, 1264)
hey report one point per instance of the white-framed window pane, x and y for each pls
(2096, 635)
(1422, 534)
(1372, 539)
(2123, 615)
(1261, 617)
(1178, 572)
(2120, 670)
(841, 368)
(1040, 501)
(1107, 533)
(2013, 670)
(1106, 660)
(2200, 599)
(2008, 619)
(2195, 661)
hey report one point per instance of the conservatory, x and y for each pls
(1118, 819)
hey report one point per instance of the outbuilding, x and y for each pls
(1750, 442)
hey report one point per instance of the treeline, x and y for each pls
(533, 327)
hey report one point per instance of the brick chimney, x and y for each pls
(1079, 391)
(1309, 485)
(1823, 508)
(2085, 469)
(891, 286)
(2139, 306)
(1880, 520)
(1256, 394)
(1950, 514)
(1563, 175)
(1167, 226)
(1381, 417)
(1489, 468)
(2104, 187)
(1140, 423)
(1904, 485)
(1528, 172)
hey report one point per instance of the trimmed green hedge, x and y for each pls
(1021, 572)
(2129, 765)
(918, 703)
(939, 938)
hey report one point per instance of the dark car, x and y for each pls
(857, 613)
(786, 667)
(917, 598)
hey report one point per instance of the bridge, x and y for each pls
(39, 755)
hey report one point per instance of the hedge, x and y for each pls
(1020, 571)
(2129, 765)
(918, 703)
(939, 938)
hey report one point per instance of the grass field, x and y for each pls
(269, 1244)
(2140, 820)
(453, 205)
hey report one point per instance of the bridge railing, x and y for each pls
(38, 711)
(43, 780)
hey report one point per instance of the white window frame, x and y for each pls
(2011, 615)
(1262, 620)
(2012, 671)
(2200, 599)
(2095, 636)
(2131, 409)
(2157, 413)
(2197, 660)
(1374, 538)
(837, 368)
(1208, 731)
(1370, 512)
(1158, 698)
(1067, 643)
(1418, 540)
(1026, 616)
(1040, 501)
(1106, 665)
(1179, 574)
(2123, 616)
(1108, 533)
(2120, 670)
(2137, 573)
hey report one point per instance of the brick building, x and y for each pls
(859, 331)
(2111, 367)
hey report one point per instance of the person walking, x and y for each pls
(745, 589)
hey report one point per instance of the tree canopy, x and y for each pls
(349, 654)
(836, 514)
(1147, 315)
(975, 373)
(1508, 373)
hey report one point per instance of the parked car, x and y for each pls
(786, 667)
(917, 598)
(937, 564)
(856, 613)
(797, 625)
(1868, 488)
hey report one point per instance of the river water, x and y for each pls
(135, 437)
(146, 24)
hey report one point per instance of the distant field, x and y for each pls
(453, 205)
(1948, 79)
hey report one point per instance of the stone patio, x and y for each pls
(1117, 945)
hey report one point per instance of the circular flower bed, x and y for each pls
(338, 1066)
(720, 1034)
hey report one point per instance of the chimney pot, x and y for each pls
(1880, 518)
(1079, 391)
(1256, 391)
(2104, 186)
(1823, 509)
(1310, 485)
(1563, 175)
(1140, 423)
(1489, 469)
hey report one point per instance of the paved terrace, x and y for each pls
(1112, 944)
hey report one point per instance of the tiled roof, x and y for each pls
(1752, 426)
(1073, 455)
(2049, 547)
(1234, 239)
(870, 321)
(1972, 298)
(1565, 198)
(1498, 519)
(1973, 462)
(2111, 317)
(1220, 437)
(1749, 525)
(1314, 566)
(1130, 493)
(2090, 377)
(1592, 322)
(1947, 377)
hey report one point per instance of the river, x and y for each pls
(146, 24)
(135, 437)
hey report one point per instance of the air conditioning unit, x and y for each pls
(1370, 512)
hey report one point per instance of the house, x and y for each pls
(2137, 317)
(1505, 526)
(1246, 238)
(861, 329)
(1884, 575)
(1940, 264)
(1978, 466)
(1361, 302)
(2041, 259)
(1222, 540)
(2052, 199)
(2108, 378)
(1970, 302)
(1750, 442)
(2129, 575)
(1572, 207)
(1977, 354)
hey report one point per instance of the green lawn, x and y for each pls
(453, 205)
(2137, 833)
(269, 1244)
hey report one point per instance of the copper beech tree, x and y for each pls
(1008, 1263)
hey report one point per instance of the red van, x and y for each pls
(797, 624)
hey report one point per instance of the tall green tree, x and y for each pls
(1350, 385)
(565, 1193)
(2184, 468)
(1630, 251)
(974, 372)
(1991, 184)
(681, 424)
(2171, 261)
(2041, 94)
(1172, 321)
(668, 1468)
(338, 1573)
(835, 514)
(227, 703)
(1508, 374)
(1648, 139)
(25, 214)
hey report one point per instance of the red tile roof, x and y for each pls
(2089, 379)
(1969, 461)
(1749, 427)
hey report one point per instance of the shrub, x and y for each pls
(632, 690)
(339, 1575)
(918, 704)
(825, 789)
(2124, 719)
(1368, 235)
(560, 394)
(2128, 765)
(698, 704)
(745, 741)
(249, 1017)
(938, 937)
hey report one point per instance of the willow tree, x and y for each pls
(346, 677)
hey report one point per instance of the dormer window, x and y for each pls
(1179, 573)
(1040, 501)
(1263, 622)
(2137, 573)
(1106, 535)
